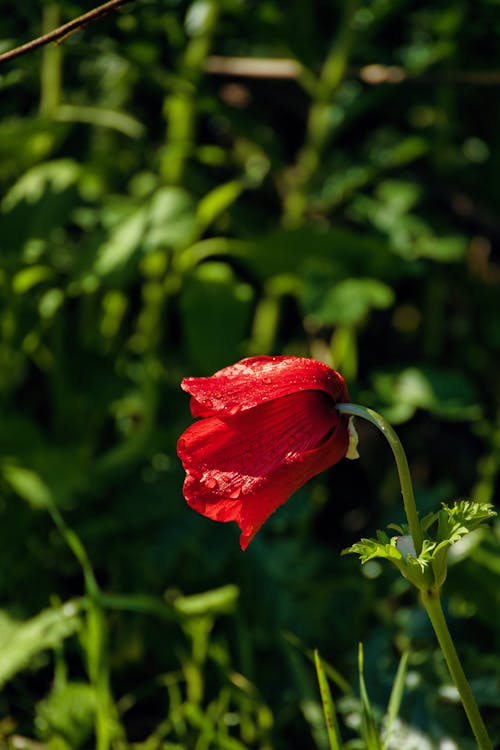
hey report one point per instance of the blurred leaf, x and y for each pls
(28, 484)
(369, 729)
(217, 201)
(39, 203)
(100, 117)
(67, 714)
(346, 303)
(20, 641)
(331, 722)
(55, 176)
(410, 234)
(348, 253)
(215, 309)
(171, 219)
(401, 152)
(396, 696)
(25, 141)
(123, 242)
(165, 221)
(217, 601)
(447, 394)
(29, 277)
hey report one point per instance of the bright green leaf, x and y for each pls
(21, 641)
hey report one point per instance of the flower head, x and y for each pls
(268, 424)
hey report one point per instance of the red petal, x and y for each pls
(255, 380)
(243, 467)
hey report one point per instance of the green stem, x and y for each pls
(432, 603)
(95, 635)
(181, 106)
(401, 462)
(51, 68)
(319, 122)
(74, 543)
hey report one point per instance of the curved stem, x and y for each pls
(383, 425)
(432, 604)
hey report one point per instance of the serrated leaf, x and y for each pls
(367, 549)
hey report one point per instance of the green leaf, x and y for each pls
(27, 278)
(464, 516)
(21, 641)
(332, 674)
(68, 714)
(28, 484)
(217, 601)
(344, 252)
(347, 302)
(369, 729)
(396, 695)
(332, 727)
(171, 219)
(367, 549)
(166, 220)
(55, 176)
(122, 243)
(217, 201)
(215, 308)
(429, 568)
(445, 393)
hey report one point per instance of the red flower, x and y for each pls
(268, 425)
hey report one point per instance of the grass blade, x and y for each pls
(369, 729)
(332, 727)
(396, 694)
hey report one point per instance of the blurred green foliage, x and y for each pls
(163, 215)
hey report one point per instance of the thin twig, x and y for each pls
(65, 30)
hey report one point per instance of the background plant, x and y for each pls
(161, 218)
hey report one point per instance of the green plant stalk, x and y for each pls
(383, 425)
(332, 727)
(95, 631)
(430, 598)
(319, 121)
(51, 68)
(181, 105)
(432, 602)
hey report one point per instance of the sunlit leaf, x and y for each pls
(21, 641)
(67, 713)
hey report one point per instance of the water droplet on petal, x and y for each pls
(235, 493)
(211, 483)
(267, 381)
(234, 410)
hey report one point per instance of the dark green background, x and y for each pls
(159, 219)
